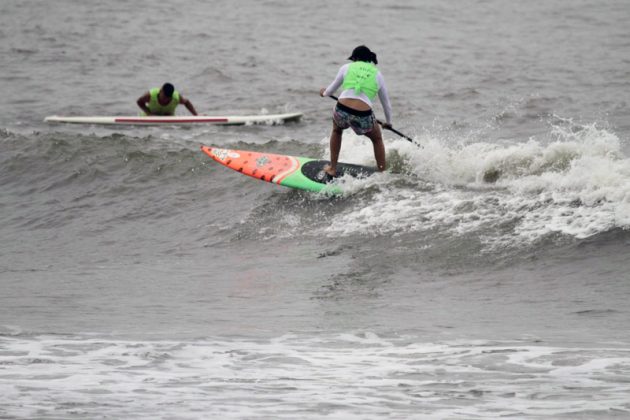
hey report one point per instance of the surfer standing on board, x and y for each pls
(361, 82)
(163, 101)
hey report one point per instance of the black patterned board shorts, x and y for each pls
(360, 121)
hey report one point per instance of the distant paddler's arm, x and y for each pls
(142, 103)
(187, 104)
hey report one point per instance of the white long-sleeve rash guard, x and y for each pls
(350, 93)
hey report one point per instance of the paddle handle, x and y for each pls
(381, 123)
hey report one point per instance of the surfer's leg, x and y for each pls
(379, 148)
(335, 147)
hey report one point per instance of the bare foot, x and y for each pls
(330, 171)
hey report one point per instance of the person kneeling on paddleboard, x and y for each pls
(361, 82)
(163, 101)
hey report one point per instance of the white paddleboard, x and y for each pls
(179, 120)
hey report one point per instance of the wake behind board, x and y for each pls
(179, 120)
(290, 171)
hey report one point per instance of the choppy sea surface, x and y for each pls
(486, 275)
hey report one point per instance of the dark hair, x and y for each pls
(363, 53)
(168, 89)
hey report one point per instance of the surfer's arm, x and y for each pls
(187, 104)
(142, 103)
(332, 88)
(384, 98)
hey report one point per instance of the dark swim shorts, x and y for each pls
(360, 121)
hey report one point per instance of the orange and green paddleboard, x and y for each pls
(290, 171)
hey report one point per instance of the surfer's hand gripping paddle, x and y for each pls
(386, 126)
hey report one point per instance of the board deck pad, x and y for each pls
(178, 120)
(314, 169)
(290, 171)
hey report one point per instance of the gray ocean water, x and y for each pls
(138, 279)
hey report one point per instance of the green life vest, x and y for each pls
(157, 109)
(361, 77)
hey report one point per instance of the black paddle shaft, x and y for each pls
(386, 128)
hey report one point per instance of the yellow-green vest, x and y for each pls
(157, 109)
(361, 77)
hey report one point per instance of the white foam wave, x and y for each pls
(574, 181)
(350, 375)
